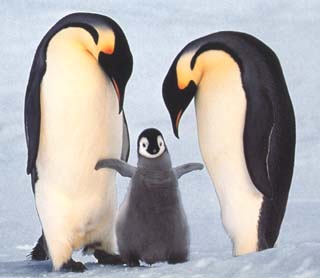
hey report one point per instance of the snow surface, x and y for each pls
(156, 31)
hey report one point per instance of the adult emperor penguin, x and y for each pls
(74, 116)
(246, 130)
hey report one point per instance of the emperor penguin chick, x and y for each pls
(152, 224)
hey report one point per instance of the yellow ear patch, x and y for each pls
(106, 42)
(108, 49)
(181, 85)
(183, 70)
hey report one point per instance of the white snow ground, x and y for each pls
(156, 31)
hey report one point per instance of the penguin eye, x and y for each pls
(144, 143)
(160, 141)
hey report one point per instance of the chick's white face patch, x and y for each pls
(161, 145)
(144, 146)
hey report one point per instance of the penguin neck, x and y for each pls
(74, 38)
(216, 64)
(185, 73)
(208, 63)
(159, 164)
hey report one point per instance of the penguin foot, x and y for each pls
(39, 253)
(73, 266)
(105, 258)
(177, 259)
(263, 244)
(133, 264)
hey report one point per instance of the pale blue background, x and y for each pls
(156, 31)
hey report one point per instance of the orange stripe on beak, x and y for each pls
(116, 88)
(181, 85)
(178, 119)
(108, 50)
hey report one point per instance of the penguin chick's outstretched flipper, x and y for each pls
(187, 168)
(123, 168)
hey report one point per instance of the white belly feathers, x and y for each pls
(80, 124)
(221, 108)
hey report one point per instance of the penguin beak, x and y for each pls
(118, 68)
(116, 88)
(177, 101)
(176, 122)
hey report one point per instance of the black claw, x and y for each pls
(105, 258)
(74, 266)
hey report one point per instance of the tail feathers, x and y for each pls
(39, 252)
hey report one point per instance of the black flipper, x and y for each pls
(125, 141)
(123, 168)
(32, 112)
(187, 168)
(34, 178)
(257, 134)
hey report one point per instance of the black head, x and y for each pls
(175, 97)
(151, 143)
(118, 64)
